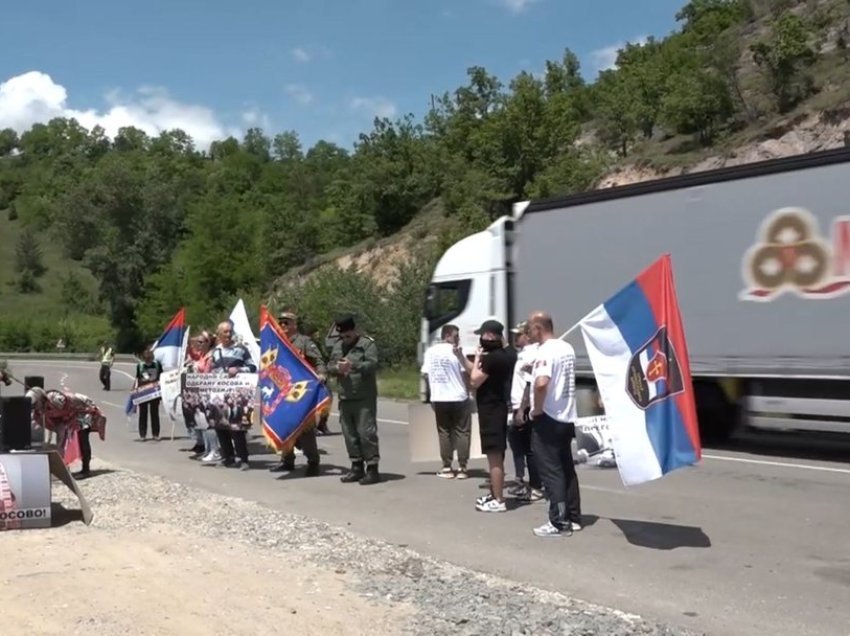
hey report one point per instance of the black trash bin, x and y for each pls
(34, 380)
(15, 424)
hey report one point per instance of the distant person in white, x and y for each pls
(448, 388)
(553, 415)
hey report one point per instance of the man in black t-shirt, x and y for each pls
(490, 375)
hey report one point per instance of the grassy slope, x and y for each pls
(47, 302)
(831, 74)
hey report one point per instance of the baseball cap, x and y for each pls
(344, 322)
(490, 326)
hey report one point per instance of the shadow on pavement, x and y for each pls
(330, 470)
(662, 536)
(62, 516)
(97, 472)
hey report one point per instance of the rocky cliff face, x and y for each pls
(801, 135)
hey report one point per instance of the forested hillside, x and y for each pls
(107, 237)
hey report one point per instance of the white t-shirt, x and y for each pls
(521, 378)
(445, 374)
(556, 359)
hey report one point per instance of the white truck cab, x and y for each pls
(470, 284)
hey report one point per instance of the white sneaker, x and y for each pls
(548, 530)
(446, 473)
(211, 458)
(483, 499)
(575, 527)
(492, 506)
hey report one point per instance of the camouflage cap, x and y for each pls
(521, 327)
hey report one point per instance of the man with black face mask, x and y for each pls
(490, 375)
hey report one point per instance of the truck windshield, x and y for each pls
(445, 301)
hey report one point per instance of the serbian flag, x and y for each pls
(168, 347)
(636, 344)
(292, 397)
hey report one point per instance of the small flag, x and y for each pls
(636, 344)
(242, 331)
(292, 396)
(168, 346)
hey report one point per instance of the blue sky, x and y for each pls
(324, 68)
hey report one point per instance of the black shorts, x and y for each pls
(493, 427)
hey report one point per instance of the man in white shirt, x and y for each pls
(448, 389)
(553, 416)
(519, 427)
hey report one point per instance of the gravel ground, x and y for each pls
(434, 597)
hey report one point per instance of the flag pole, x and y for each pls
(575, 326)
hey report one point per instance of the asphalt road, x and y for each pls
(746, 543)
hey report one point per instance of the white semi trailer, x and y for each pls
(761, 259)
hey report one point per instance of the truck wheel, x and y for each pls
(718, 417)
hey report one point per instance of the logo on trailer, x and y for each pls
(654, 372)
(790, 256)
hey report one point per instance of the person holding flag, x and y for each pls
(309, 352)
(293, 394)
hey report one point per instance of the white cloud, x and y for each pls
(254, 118)
(374, 106)
(605, 59)
(34, 97)
(299, 93)
(516, 6)
(301, 55)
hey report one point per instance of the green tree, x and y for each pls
(784, 58)
(698, 101)
(617, 112)
(28, 254)
(8, 141)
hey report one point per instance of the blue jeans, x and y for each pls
(552, 441)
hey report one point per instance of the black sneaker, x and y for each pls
(312, 470)
(354, 474)
(372, 476)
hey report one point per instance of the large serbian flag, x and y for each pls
(292, 396)
(169, 346)
(636, 344)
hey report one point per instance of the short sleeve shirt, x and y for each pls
(499, 367)
(556, 360)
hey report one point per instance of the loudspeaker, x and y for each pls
(15, 423)
(34, 380)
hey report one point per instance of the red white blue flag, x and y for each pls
(636, 344)
(169, 346)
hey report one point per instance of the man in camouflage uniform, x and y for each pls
(354, 362)
(308, 350)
